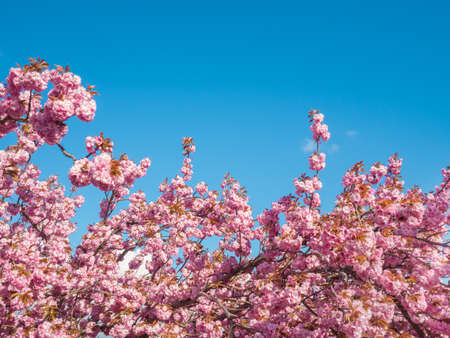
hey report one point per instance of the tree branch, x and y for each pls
(64, 151)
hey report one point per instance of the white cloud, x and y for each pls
(334, 148)
(129, 256)
(351, 133)
(308, 146)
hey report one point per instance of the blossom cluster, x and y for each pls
(373, 266)
(22, 100)
(319, 129)
(107, 173)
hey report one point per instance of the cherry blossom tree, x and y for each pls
(372, 267)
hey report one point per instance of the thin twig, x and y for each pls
(64, 151)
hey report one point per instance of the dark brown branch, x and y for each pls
(443, 186)
(397, 302)
(250, 265)
(64, 151)
(405, 314)
(29, 105)
(43, 235)
(431, 242)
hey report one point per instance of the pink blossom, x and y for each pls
(394, 165)
(18, 80)
(320, 131)
(79, 174)
(59, 110)
(318, 118)
(2, 90)
(145, 163)
(317, 161)
(373, 266)
(201, 188)
(377, 172)
(79, 201)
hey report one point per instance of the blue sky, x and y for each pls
(239, 76)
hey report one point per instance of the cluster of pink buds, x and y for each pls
(188, 146)
(319, 129)
(103, 171)
(320, 134)
(22, 100)
(95, 143)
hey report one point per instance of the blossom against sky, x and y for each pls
(239, 78)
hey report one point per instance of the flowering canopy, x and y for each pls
(371, 267)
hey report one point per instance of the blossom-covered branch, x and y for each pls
(373, 266)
